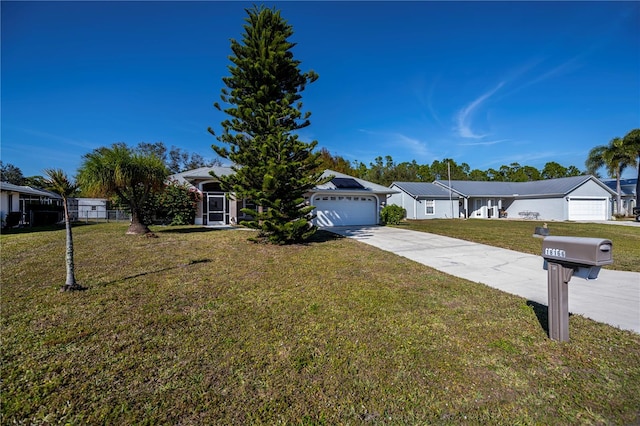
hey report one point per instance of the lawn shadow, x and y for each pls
(45, 228)
(542, 312)
(169, 268)
(322, 236)
(190, 230)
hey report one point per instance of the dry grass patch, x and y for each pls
(208, 328)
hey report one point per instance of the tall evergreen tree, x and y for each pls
(273, 168)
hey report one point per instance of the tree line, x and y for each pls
(384, 171)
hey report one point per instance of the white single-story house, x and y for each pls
(16, 199)
(571, 198)
(425, 200)
(628, 193)
(344, 200)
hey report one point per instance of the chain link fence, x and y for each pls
(100, 215)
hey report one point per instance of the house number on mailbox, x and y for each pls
(554, 252)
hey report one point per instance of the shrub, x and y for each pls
(175, 205)
(392, 214)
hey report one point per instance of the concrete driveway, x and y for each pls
(613, 298)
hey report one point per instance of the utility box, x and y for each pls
(565, 257)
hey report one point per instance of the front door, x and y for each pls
(216, 213)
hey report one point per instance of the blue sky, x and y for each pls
(486, 83)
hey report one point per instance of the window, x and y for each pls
(430, 206)
(248, 204)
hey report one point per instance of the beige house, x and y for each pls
(344, 200)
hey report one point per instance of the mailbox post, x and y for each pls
(564, 258)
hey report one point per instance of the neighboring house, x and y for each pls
(88, 208)
(425, 200)
(345, 200)
(571, 198)
(25, 201)
(628, 192)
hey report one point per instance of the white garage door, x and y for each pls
(587, 209)
(346, 210)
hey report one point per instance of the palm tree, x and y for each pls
(58, 182)
(632, 141)
(615, 157)
(121, 171)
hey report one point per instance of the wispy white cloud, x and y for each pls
(530, 158)
(418, 148)
(486, 143)
(413, 146)
(464, 116)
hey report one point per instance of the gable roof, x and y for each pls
(341, 184)
(538, 188)
(424, 189)
(9, 187)
(201, 173)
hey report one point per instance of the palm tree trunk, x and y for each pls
(70, 283)
(137, 227)
(638, 184)
(618, 193)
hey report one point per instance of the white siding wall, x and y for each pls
(417, 209)
(88, 208)
(546, 208)
(4, 203)
(590, 189)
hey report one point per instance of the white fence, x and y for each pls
(100, 215)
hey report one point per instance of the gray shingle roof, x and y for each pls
(203, 173)
(424, 189)
(538, 188)
(6, 186)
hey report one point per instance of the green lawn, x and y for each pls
(518, 235)
(197, 328)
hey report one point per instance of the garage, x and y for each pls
(588, 209)
(344, 210)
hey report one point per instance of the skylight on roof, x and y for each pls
(346, 183)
